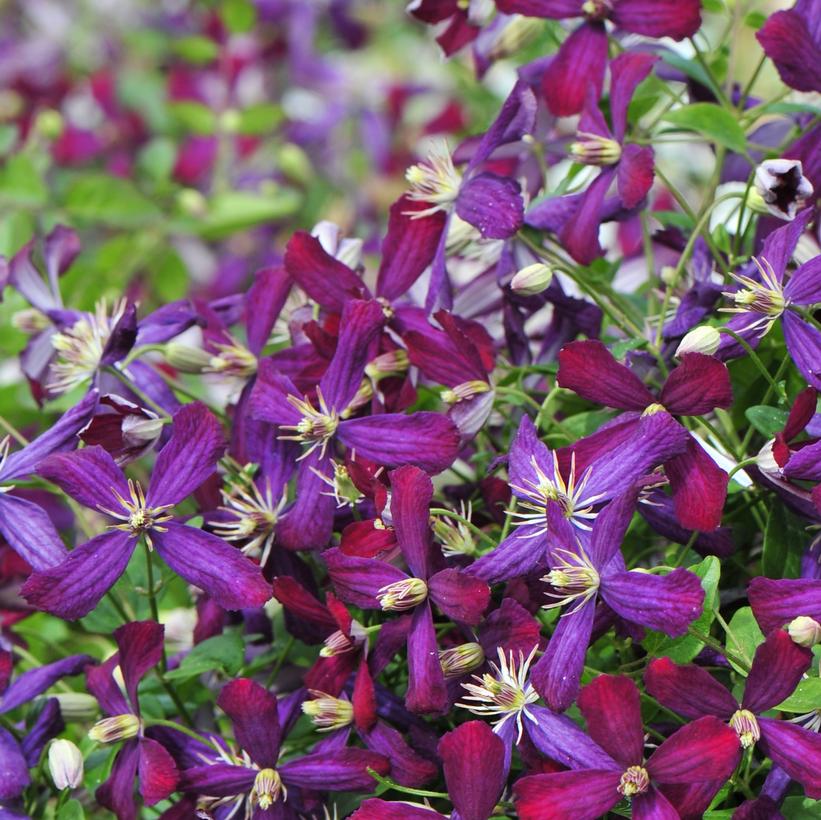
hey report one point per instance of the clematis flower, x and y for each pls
(585, 569)
(702, 752)
(581, 60)
(74, 587)
(427, 440)
(473, 760)
(25, 526)
(778, 666)
(537, 480)
(792, 40)
(698, 385)
(782, 187)
(373, 584)
(254, 777)
(140, 646)
(122, 428)
(763, 297)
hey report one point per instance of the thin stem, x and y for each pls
(773, 388)
(185, 730)
(386, 781)
(710, 641)
(147, 400)
(462, 520)
(281, 660)
(13, 432)
(752, 354)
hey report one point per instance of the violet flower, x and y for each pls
(140, 646)
(473, 761)
(373, 584)
(73, 588)
(580, 62)
(253, 776)
(701, 752)
(698, 385)
(585, 568)
(424, 439)
(792, 40)
(26, 527)
(778, 666)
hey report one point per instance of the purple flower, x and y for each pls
(373, 584)
(581, 60)
(73, 588)
(701, 752)
(255, 777)
(792, 40)
(778, 666)
(140, 647)
(776, 603)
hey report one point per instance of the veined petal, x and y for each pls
(100, 682)
(407, 767)
(269, 396)
(658, 18)
(610, 705)
(635, 174)
(775, 603)
(13, 766)
(89, 476)
(342, 770)
(788, 42)
(157, 770)
(30, 533)
(551, 9)
(580, 233)
(796, 750)
(254, 714)
(804, 286)
(519, 554)
(141, 645)
(492, 204)
(460, 596)
(411, 494)
(628, 70)
(653, 805)
(359, 580)
(697, 386)
(117, 793)
(309, 521)
(804, 345)
(580, 63)
(689, 690)
(427, 692)
(72, 589)
(581, 795)
(778, 665)
(47, 725)
(265, 299)
(376, 809)
(217, 780)
(208, 562)
(34, 682)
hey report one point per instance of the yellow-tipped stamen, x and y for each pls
(765, 297)
(746, 727)
(326, 712)
(315, 426)
(575, 578)
(434, 180)
(403, 595)
(635, 780)
(138, 518)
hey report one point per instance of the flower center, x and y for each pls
(746, 727)
(765, 297)
(343, 489)
(267, 788)
(113, 729)
(434, 180)
(316, 425)
(594, 149)
(634, 781)
(232, 360)
(137, 517)
(574, 576)
(327, 712)
(402, 595)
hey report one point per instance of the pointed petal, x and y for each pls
(30, 533)
(208, 562)
(509, 627)
(563, 740)
(101, 683)
(217, 780)
(778, 666)
(308, 522)
(668, 603)
(796, 750)
(343, 770)
(626, 72)
(47, 725)
(611, 707)
(427, 692)
(551, 9)
(473, 760)
(13, 768)
(141, 645)
(590, 370)
(689, 690)
(460, 596)
(426, 440)
(72, 589)
(805, 463)
(804, 345)
(580, 233)
(653, 805)
(189, 458)
(557, 673)
(775, 603)
(253, 711)
(269, 396)
(492, 204)
(519, 554)
(658, 18)
(359, 580)
(89, 476)
(375, 809)
(706, 749)
(34, 682)
(697, 386)
(699, 488)
(579, 64)
(804, 287)
(582, 795)
(610, 527)
(411, 494)
(297, 600)
(117, 793)
(264, 302)
(635, 174)
(788, 42)
(157, 770)
(407, 767)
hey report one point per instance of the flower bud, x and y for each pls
(704, 339)
(65, 763)
(594, 149)
(77, 706)
(465, 390)
(49, 123)
(112, 729)
(230, 121)
(460, 660)
(186, 358)
(403, 595)
(669, 275)
(294, 163)
(30, 321)
(518, 33)
(192, 203)
(532, 280)
(327, 712)
(805, 631)
(780, 188)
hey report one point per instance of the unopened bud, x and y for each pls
(532, 280)
(327, 712)
(77, 706)
(112, 729)
(460, 660)
(65, 763)
(192, 202)
(704, 339)
(391, 363)
(669, 275)
(594, 149)
(49, 123)
(805, 631)
(403, 595)
(30, 321)
(138, 430)
(186, 358)
(230, 121)
(294, 163)
(465, 390)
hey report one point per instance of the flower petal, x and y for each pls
(375, 809)
(339, 771)
(359, 580)
(157, 770)
(658, 18)
(519, 554)
(15, 772)
(35, 681)
(804, 345)
(775, 603)
(309, 521)
(459, 595)
(635, 174)
(263, 303)
(30, 533)
(117, 793)
(492, 204)
(89, 476)
(804, 287)
(254, 714)
(697, 386)
(778, 666)
(653, 805)
(582, 795)
(796, 750)
(411, 494)
(626, 72)
(787, 40)
(427, 692)
(580, 233)
(689, 690)
(407, 767)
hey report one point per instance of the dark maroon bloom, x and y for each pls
(73, 588)
(122, 428)
(581, 60)
(373, 584)
(258, 776)
(697, 386)
(701, 752)
(140, 647)
(778, 666)
(473, 760)
(459, 29)
(792, 40)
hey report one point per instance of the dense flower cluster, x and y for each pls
(501, 498)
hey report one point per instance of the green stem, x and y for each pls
(462, 520)
(752, 354)
(185, 730)
(386, 781)
(747, 462)
(281, 660)
(13, 432)
(773, 388)
(149, 402)
(709, 640)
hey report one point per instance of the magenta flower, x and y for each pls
(697, 386)
(778, 666)
(254, 776)
(701, 752)
(582, 58)
(74, 587)
(140, 647)
(792, 40)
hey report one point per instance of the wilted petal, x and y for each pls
(72, 589)
(689, 690)
(30, 533)
(778, 666)
(157, 770)
(775, 603)
(208, 562)
(427, 692)
(697, 386)
(796, 750)
(492, 204)
(343, 770)
(460, 596)
(254, 714)
(582, 795)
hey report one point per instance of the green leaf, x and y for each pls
(743, 636)
(21, 183)
(98, 198)
(260, 119)
(755, 20)
(711, 121)
(685, 648)
(224, 653)
(72, 810)
(196, 49)
(806, 698)
(801, 808)
(783, 543)
(234, 211)
(157, 159)
(767, 420)
(195, 117)
(238, 15)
